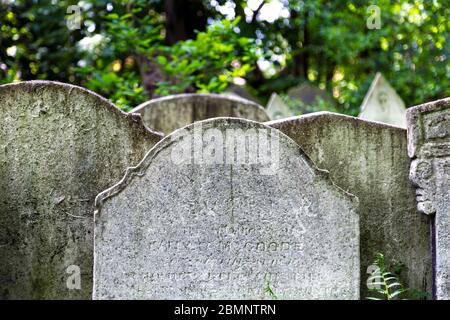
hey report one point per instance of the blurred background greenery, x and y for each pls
(131, 51)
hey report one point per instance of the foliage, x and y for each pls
(130, 41)
(109, 65)
(323, 42)
(269, 291)
(331, 46)
(34, 41)
(387, 285)
(210, 62)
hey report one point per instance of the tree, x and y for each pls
(148, 48)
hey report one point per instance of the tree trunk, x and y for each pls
(183, 18)
(301, 57)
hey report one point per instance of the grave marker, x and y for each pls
(429, 149)
(219, 209)
(60, 145)
(173, 112)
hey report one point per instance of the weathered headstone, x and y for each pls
(218, 209)
(383, 104)
(240, 91)
(429, 147)
(369, 160)
(173, 112)
(277, 109)
(60, 145)
(309, 94)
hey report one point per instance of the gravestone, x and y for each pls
(277, 109)
(309, 93)
(383, 104)
(240, 91)
(219, 209)
(429, 147)
(169, 113)
(369, 160)
(60, 145)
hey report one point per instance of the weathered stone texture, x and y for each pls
(277, 109)
(370, 161)
(181, 227)
(383, 104)
(308, 94)
(170, 113)
(60, 145)
(429, 147)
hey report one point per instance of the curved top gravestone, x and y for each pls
(60, 145)
(219, 209)
(173, 112)
(369, 160)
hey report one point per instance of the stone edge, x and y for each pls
(35, 84)
(327, 114)
(214, 96)
(140, 168)
(413, 115)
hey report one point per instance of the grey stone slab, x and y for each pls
(370, 160)
(309, 93)
(218, 209)
(429, 149)
(277, 109)
(241, 91)
(173, 112)
(60, 145)
(383, 104)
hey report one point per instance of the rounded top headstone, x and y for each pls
(218, 208)
(169, 113)
(60, 145)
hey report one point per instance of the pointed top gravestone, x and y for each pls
(173, 112)
(217, 210)
(60, 145)
(277, 109)
(383, 104)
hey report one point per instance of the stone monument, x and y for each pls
(222, 209)
(429, 149)
(383, 104)
(60, 145)
(172, 112)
